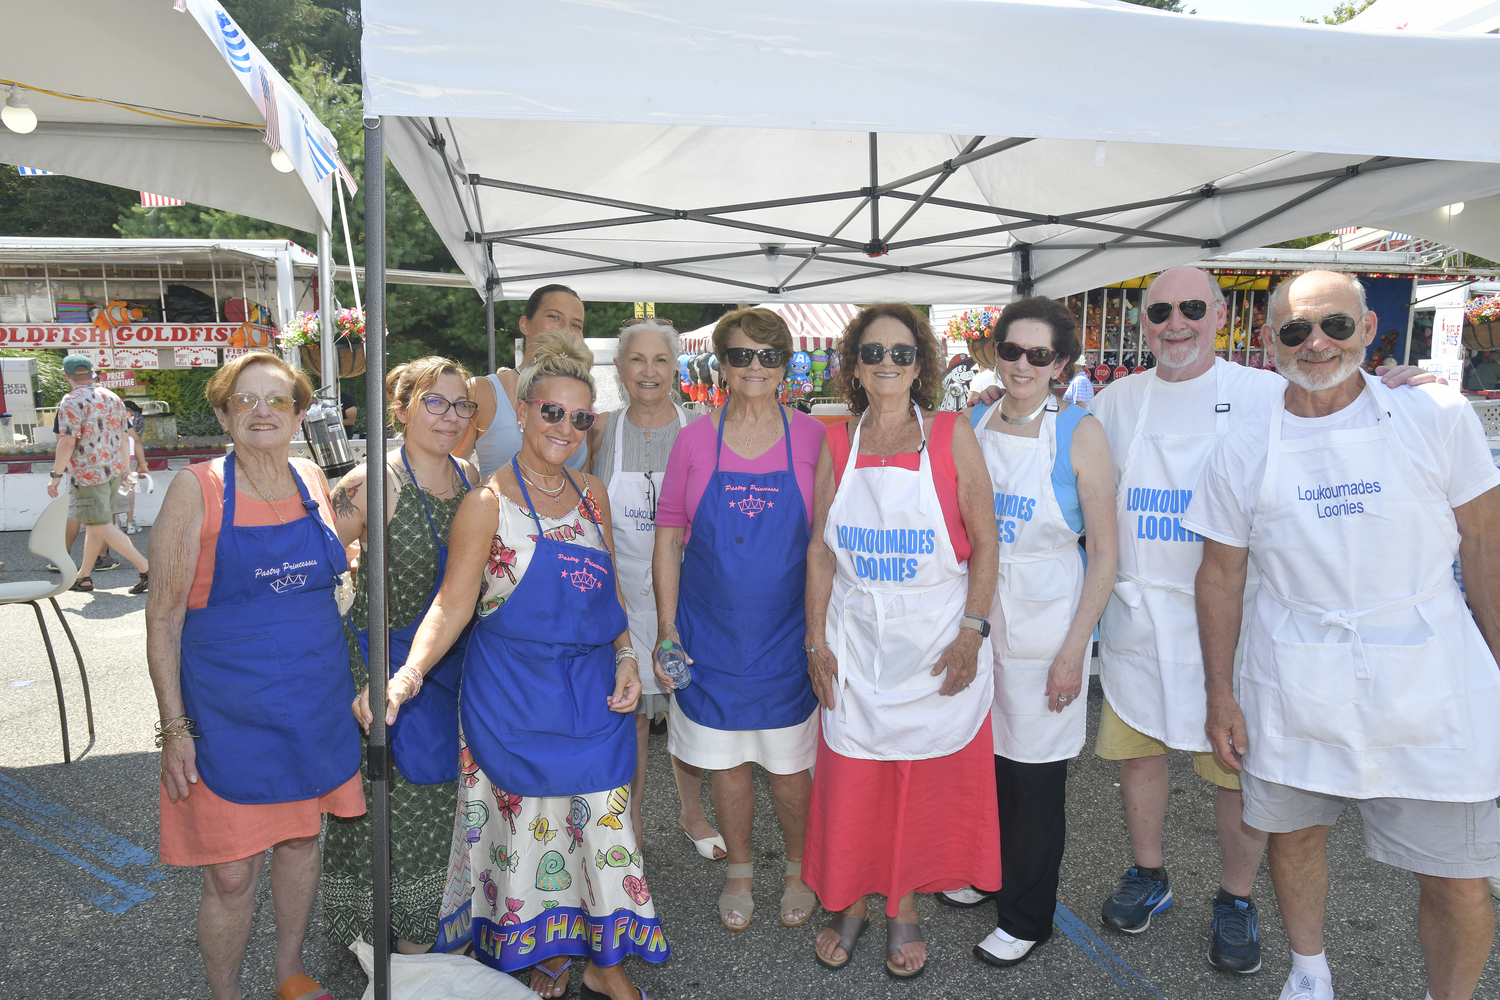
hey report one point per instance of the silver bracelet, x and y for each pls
(626, 653)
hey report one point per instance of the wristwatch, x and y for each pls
(983, 626)
(58, 475)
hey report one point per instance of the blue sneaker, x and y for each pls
(1236, 941)
(1136, 901)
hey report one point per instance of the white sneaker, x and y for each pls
(964, 898)
(1494, 881)
(1001, 949)
(1302, 986)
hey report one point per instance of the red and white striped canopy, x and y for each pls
(813, 325)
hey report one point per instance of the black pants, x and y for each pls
(1033, 833)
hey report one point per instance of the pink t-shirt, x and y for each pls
(691, 465)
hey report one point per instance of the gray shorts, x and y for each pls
(1444, 839)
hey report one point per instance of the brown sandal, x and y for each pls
(849, 929)
(896, 935)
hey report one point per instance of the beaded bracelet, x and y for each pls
(626, 653)
(414, 676)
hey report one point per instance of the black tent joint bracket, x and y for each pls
(1209, 191)
(875, 248)
(379, 766)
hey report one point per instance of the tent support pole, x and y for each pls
(1411, 322)
(329, 376)
(1027, 285)
(875, 244)
(489, 321)
(373, 561)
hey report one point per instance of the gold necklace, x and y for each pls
(260, 492)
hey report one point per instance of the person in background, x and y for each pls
(1053, 485)
(248, 658)
(901, 573)
(550, 686)
(430, 407)
(732, 527)
(630, 449)
(1080, 390)
(124, 506)
(493, 437)
(983, 351)
(1365, 676)
(348, 413)
(91, 451)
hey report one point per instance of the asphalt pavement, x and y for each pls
(88, 911)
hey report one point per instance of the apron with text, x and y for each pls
(1365, 675)
(265, 665)
(1151, 665)
(1040, 583)
(424, 739)
(539, 671)
(899, 592)
(632, 505)
(740, 605)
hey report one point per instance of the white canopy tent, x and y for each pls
(193, 111)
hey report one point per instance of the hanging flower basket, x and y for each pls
(305, 333)
(975, 327)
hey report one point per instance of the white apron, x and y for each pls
(1040, 584)
(631, 501)
(1365, 675)
(1151, 665)
(898, 595)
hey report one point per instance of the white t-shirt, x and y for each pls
(982, 380)
(1184, 406)
(1437, 426)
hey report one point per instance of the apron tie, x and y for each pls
(1131, 589)
(1347, 620)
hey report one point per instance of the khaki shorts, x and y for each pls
(1443, 839)
(1118, 740)
(95, 504)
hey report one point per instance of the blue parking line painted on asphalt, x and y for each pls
(1102, 955)
(57, 830)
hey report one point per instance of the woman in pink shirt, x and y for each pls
(732, 527)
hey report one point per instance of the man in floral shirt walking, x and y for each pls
(91, 423)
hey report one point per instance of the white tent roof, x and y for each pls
(688, 151)
(141, 95)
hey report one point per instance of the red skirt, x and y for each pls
(898, 826)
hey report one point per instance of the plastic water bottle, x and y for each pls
(673, 663)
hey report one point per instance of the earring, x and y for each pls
(917, 384)
(856, 381)
(520, 427)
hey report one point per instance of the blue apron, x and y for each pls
(424, 738)
(740, 606)
(539, 670)
(265, 666)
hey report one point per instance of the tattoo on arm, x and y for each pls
(343, 501)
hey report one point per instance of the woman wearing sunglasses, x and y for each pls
(630, 449)
(430, 405)
(251, 669)
(730, 564)
(1053, 483)
(550, 683)
(901, 574)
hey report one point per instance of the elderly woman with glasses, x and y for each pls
(630, 450)
(732, 527)
(248, 657)
(544, 868)
(424, 486)
(900, 576)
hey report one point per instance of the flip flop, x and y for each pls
(554, 975)
(896, 935)
(301, 985)
(849, 929)
(705, 847)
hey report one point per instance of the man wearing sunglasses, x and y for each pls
(1162, 425)
(1365, 676)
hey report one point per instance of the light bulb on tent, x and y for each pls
(282, 162)
(17, 115)
(1455, 209)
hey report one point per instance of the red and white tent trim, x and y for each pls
(813, 325)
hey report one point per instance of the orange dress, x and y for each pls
(204, 829)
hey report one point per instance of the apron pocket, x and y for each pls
(1037, 601)
(912, 646)
(1407, 701)
(239, 683)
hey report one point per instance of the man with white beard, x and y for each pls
(1162, 425)
(1365, 676)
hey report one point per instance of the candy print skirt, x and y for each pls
(534, 878)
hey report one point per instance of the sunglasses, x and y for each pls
(1339, 326)
(1040, 357)
(439, 405)
(904, 355)
(1191, 309)
(248, 400)
(740, 357)
(636, 320)
(554, 412)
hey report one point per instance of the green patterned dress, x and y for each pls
(421, 815)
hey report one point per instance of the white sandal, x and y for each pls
(705, 847)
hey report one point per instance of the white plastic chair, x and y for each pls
(49, 540)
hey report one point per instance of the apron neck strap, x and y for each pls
(227, 518)
(423, 496)
(786, 436)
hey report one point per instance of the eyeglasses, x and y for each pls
(1339, 326)
(770, 357)
(1040, 357)
(904, 355)
(554, 412)
(1191, 309)
(651, 494)
(248, 400)
(439, 405)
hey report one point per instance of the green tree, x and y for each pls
(1302, 242)
(1344, 11)
(59, 206)
(1173, 5)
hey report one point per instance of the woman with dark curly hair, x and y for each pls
(900, 577)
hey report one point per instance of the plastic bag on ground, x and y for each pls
(440, 977)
